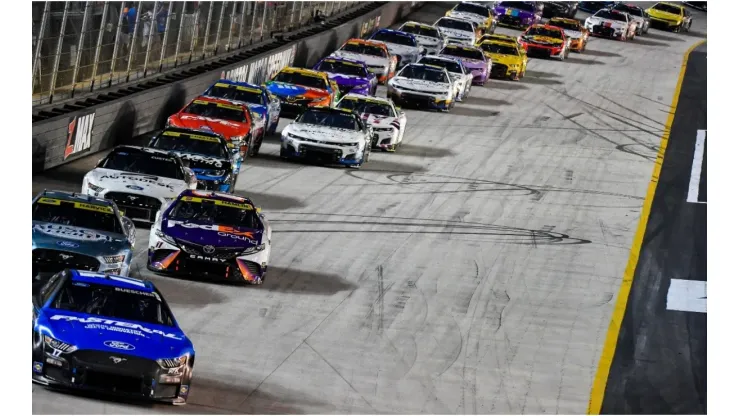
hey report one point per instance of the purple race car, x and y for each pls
(473, 58)
(518, 13)
(351, 76)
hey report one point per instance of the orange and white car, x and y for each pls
(375, 55)
(574, 30)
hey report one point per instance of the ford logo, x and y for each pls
(119, 345)
(68, 244)
(134, 187)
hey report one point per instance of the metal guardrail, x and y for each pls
(83, 46)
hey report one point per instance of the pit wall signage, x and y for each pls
(79, 134)
(369, 26)
(263, 69)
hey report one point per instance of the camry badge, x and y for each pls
(209, 249)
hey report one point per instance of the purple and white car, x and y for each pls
(351, 76)
(473, 58)
(518, 14)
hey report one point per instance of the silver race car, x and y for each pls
(387, 121)
(428, 36)
(460, 76)
(457, 30)
(423, 85)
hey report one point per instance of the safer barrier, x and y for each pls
(61, 139)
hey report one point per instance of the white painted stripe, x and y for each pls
(694, 183)
(687, 296)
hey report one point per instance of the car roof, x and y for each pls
(237, 84)
(395, 32)
(221, 196)
(459, 46)
(368, 98)
(366, 42)
(338, 59)
(456, 19)
(141, 149)
(305, 71)
(329, 109)
(496, 42)
(113, 280)
(441, 58)
(222, 101)
(415, 23)
(429, 66)
(74, 196)
(191, 131)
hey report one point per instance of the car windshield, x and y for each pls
(565, 25)
(521, 5)
(498, 38)
(333, 119)
(450, 66)
(499, 49)
(218, 111)
(215, 212)
(190, 143)
(396, 38)
(610, 15)
(297, 78)
(423, 73)
(113, 303)
(420, 30)
(344, 68)
(472, 8)
(456, 24)
(76, 214)
(632, 10)
(237, 93)
(141, 162)
(460, 52)
(365, 106)
(663, 7)
(363, 49)
(543, 31)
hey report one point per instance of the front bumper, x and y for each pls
(514, 21)
(226, 267)
(606, 32)
(480, 76)
(542, 51)
(577, 44)
(385, 139)
(664, 24)
(504, 71)
(53, 261)
(210, 183)
(132, 377)
(322, 153)
(419, 99)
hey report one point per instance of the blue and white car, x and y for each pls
(109, 334)
(401, 44)
(72, 230)
(257, 98)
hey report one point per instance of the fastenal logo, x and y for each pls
(79, 134)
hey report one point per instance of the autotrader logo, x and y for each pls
(119, 345)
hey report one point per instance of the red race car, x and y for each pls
(545, 41)
(231, 120)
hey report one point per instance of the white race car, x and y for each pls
(480, 15)
(328, 135)
(457, 30)
(401, 44)
(637, 14)
(375, 55)
(423, 85)
(139, 180)
(461, 77)
(428, 36)
(611, 24)
(388, 122)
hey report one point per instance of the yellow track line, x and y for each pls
(612, 334)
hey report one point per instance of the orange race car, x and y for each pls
(374, 54)
(573, 29)
(231, 120)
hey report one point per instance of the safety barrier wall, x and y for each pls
(70, 136)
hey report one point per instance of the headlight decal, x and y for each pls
(58, 346)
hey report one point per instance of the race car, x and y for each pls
(79, 231)
(499, 38)
(427, 36)
(328, 135)
(258, 99)
(214, 235)
(299, 89)
(670, 16)
(609, 23)
(459, 75)
(573, 29)
(349, 75)
(139, 180)
(507, 60)
(566, 9)
(518, 14)
(401, 44)
(374, 54)
(109, 334)
(473, 58)
(483, 18)
(637, 14)
(387, 121)
(544, 41)
(423, 85)
(216, 166)
(458, 30)
(232, 120)
(595, 6)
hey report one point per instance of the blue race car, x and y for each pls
(72, 230)
(109, 334)
(209, 155)
(258, 98)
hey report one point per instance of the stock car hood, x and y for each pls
(542, 40)
(500, 58)
(369, 60)
(375, 120)
(258, 108)
(427, 41)
(349, 81)
(475, 18)
(214, 235)
(510, 11)
(77, 239)
(607, 22)
(201, 163)
(284, 90)
(469, 63)
(573, 34)
(455, 33)
(402, 50)
(659, 14)
(228, 129)
(133, 338)
(136, 183)
(421, 85)
(324, 133)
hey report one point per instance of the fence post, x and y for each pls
(99, 45)
(115, 45)
(166, 32)
(37, 52)
(57, 58)
(149, 39)
(78, 58)
(133, 41)
(208, 28)
(241, 23)
(196, 28)
(179, 33)
(219, 27)
(231, 27)
(254, 19)
(264, 17)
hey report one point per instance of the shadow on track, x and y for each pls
(602, 54)
(191, 294)
(279, 279)
(270, 202)
(647, 42)
(582, 61)
(538, 81)
(484, 101)
(424, 151)
(375, 165)
(506, 85)
(656, 35)
(473, 112)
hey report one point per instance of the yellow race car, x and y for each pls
(497, 37)
(670, 16)
(507, 60)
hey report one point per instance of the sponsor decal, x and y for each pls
(119, 346)
(138, 292)
(70, 233)
(38, 367)
(116, 326)
(67, 244)
(202, 159)
(151, 180)
(184, 390)
(191, 136)
(218, 202)
(206, 258)
(79, 134)
(79, 205)
(219, 228)
(259, 71)
(134, 187)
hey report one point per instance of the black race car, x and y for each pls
(560, 9)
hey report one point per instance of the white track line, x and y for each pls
(694, 184)
(687, 296)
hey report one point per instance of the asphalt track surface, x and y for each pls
(473, 271)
